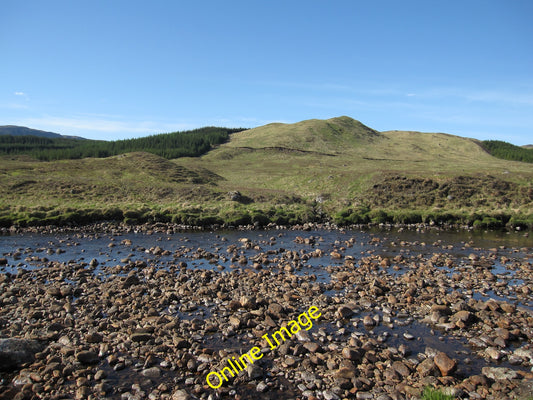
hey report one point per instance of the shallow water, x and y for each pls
(84, 247)
(222, 250)
(209, 250)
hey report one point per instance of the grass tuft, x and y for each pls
(435, 394)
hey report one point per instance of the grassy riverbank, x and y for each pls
(337, 170)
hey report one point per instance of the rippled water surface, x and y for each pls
(20, 249)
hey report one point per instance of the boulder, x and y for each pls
(87, 357)
(151, 373)
(368, 321)
(345, 312)
(130, 281)
(345, 373)
(427, 368)
(352, 354)
(254, 371)
(16, 352)
(235, 195)
(462, 318)
(141, 337)
(401, 368)
(445, 364)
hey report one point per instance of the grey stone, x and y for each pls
(261, 387)
(254, 371)
(330, 395)
(152, 373)
(235, 195)
(499, 373)
(181, 395)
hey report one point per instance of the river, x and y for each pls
(471, 265)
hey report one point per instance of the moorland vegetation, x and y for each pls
(335, 170)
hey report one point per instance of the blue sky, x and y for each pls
(117, 69)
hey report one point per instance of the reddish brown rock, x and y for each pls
(445, 364)
(351, 354)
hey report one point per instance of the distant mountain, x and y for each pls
(528, 146)
(14, 130)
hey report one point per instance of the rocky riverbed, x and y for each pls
(148, 315)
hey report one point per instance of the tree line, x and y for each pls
(190, 143)
(508, 151)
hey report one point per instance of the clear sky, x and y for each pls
(109, 69)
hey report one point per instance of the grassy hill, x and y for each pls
(332, 136)
(342, 168)
(336, 169)
(128, 186)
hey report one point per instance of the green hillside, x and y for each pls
(311, 157)
(331, 136)
(336, 169)
(341, 166)
(92, 189)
